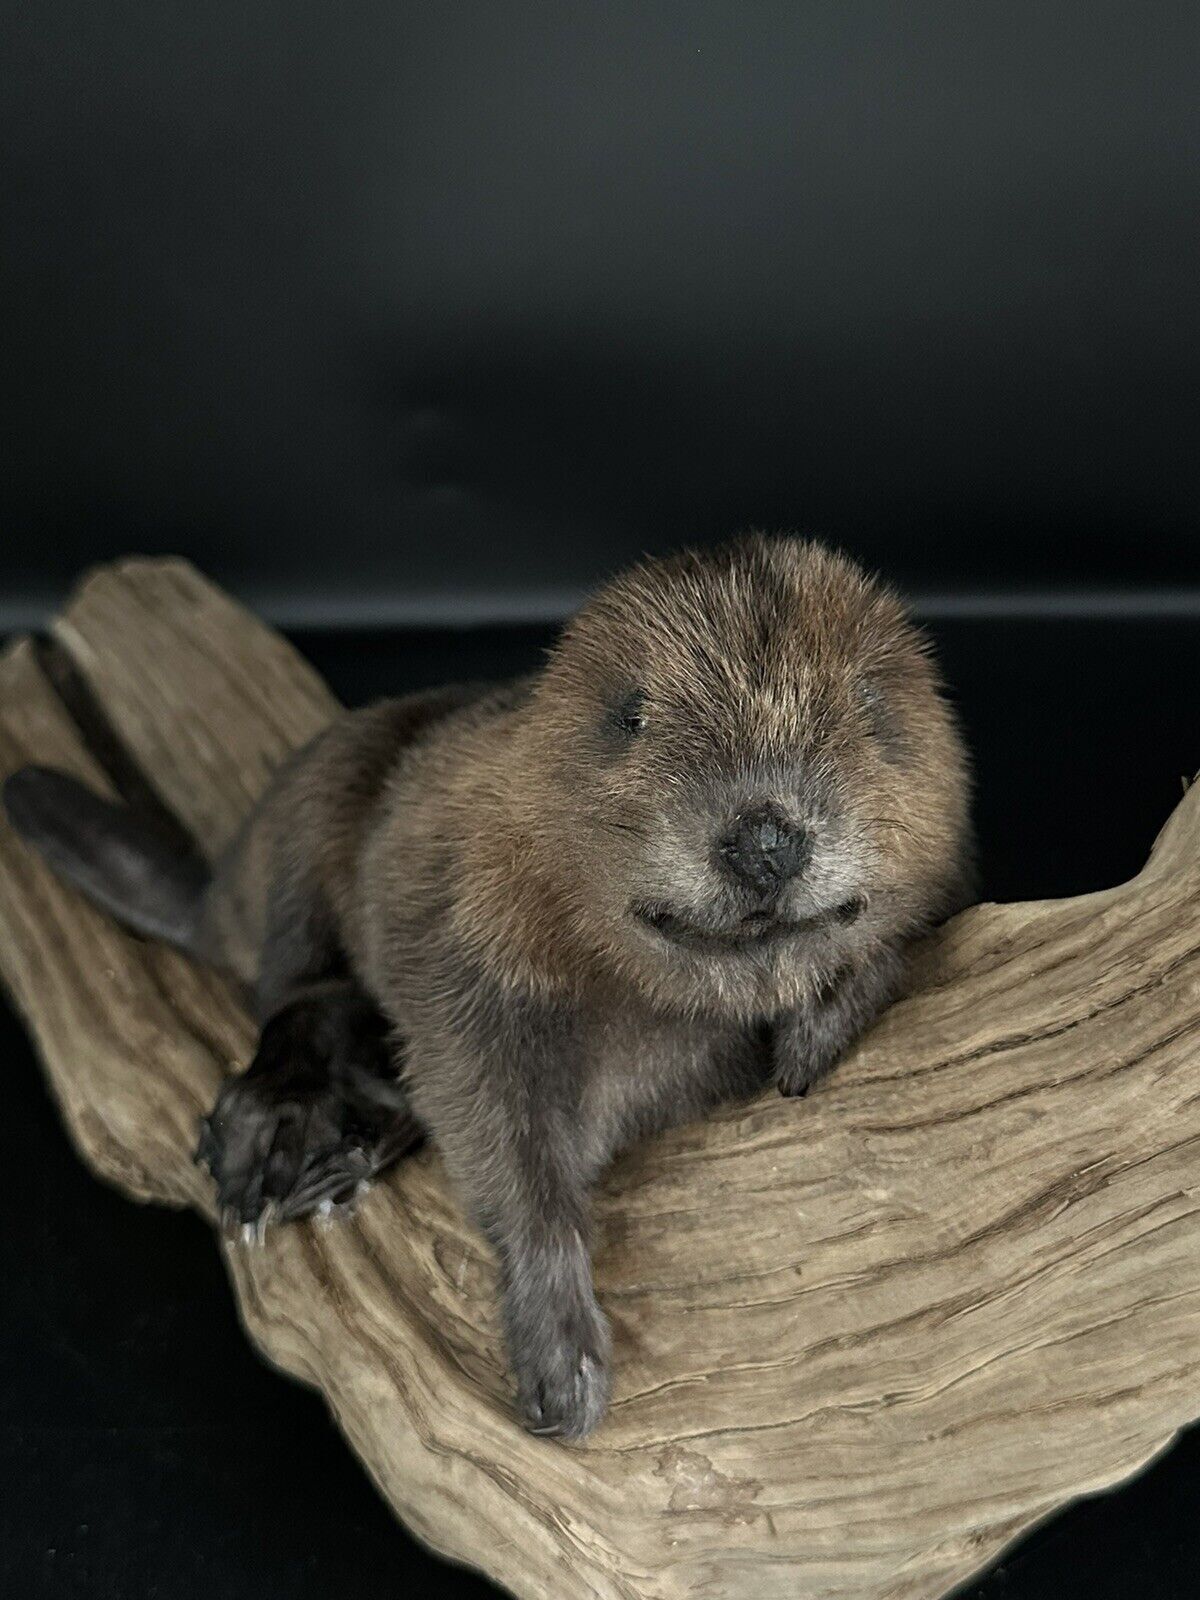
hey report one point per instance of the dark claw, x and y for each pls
(206, 1145)
(798, 1093)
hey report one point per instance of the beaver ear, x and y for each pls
(885, 725)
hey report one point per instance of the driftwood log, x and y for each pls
(861, 1340)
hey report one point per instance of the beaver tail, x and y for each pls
(142, 870)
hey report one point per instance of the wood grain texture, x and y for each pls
(861, 1340)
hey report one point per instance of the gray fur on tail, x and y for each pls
(150, 877)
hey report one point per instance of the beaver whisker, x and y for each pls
(622, 827)
(891, 822)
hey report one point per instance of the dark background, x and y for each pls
(408, 322)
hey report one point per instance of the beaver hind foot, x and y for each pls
(318, 1113)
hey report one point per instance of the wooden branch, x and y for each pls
(861, 1341)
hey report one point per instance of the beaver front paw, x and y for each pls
(563, 1379)
(795, 1078)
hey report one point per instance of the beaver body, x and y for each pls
(541, 920)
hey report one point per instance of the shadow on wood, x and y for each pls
(861, 1340)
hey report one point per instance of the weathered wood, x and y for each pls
(861, 1340)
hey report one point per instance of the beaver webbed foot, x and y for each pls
(317, 1114)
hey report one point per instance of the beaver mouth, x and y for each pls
(753, 932)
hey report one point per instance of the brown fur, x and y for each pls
(685, 858)
(483, 893)
(754, 657)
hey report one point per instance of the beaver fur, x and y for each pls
(538, 921)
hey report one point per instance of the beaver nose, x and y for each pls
(764, 849)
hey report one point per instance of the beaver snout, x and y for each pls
(764, 849)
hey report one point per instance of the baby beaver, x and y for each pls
(542, 920)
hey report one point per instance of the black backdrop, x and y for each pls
(404, 310)
(396, 317)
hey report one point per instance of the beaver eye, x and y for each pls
(629, 717)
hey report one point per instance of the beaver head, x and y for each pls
(742, 773)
